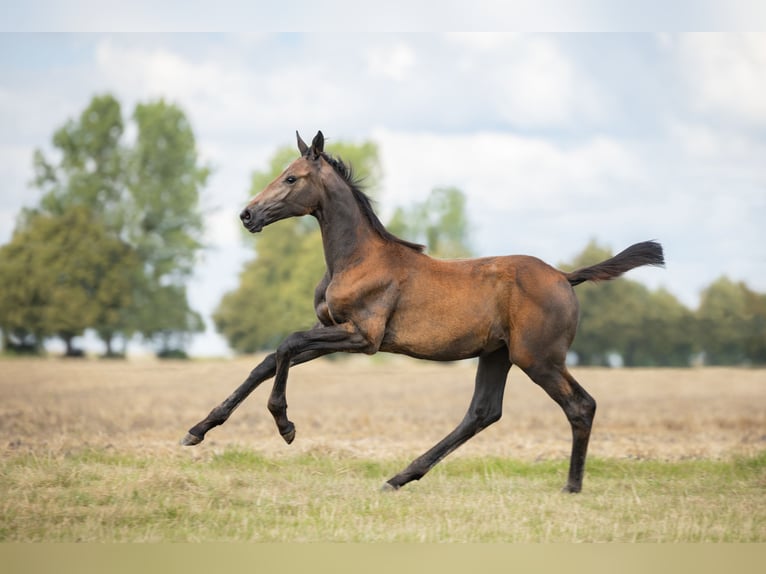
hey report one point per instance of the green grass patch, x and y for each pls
(242, 495)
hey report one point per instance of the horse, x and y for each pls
(383, 293)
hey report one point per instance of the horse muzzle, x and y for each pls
(252, 220)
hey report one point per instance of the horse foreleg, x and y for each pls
(321, 341)
(485, 408)
(221, 413)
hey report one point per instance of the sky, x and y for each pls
(555, 139)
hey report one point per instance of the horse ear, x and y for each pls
(317, 145)
(302, 147)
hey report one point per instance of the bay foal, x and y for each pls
(381, 293)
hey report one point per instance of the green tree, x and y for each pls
(64, 274)
(755, 330)
(146, 194)
(165, 180)
(724, 322)
(440, 222)
(23, 296)
(276, 291)
(91, 168)
(597, 333)
(624, 317)
(663, 334)
(164, 221)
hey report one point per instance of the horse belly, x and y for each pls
(438, 332)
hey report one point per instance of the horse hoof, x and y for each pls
(571, 489)
(388, 487)
(191, 440)
(289, 436)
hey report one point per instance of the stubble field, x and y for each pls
(89, 451)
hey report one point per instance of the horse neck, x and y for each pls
(346, 233)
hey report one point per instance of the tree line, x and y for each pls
(114, 239)
(623, 320)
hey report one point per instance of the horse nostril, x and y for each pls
(245, 215)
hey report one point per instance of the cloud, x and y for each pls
(504, 170)
(394, 62)
(725, 74)
(528, 79)
(719, 148)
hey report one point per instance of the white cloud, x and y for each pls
(505, 171)
(528, 79)
(228, 96)
(536, 87)
(394, 62)
(725, 74)
(720, 147)
(211, 91)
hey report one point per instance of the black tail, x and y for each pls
(645, 253)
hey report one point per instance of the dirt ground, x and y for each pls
(373, 408)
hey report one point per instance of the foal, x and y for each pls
(381, 293)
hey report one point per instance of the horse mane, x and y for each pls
(365, 203)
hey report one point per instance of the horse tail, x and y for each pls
(644, 253)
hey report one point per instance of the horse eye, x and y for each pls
(291, 179)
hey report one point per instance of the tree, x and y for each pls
(145, 194)
(23, 295)
(91, 170)
(164, 185)
(164, 222)
(755, 330)
(64, 274)
(276, 290)
(275, 293)
(624, 317)
(723, 322)
(663, 334)
(597, 333)
(440, 222)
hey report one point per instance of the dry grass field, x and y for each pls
(77, 436)
(375, 409)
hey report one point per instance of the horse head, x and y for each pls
(295, 192)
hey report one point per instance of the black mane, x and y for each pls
(364, 201)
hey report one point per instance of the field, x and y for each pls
(88, 452)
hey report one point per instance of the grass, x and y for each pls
(102, 494)
(88, 452)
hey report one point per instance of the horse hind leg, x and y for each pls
(485, 408)
(579, 407)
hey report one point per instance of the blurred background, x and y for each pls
(126, 158)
